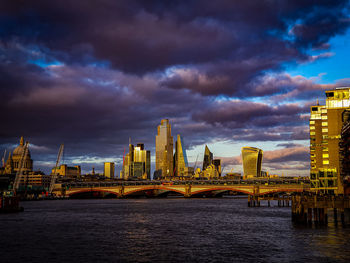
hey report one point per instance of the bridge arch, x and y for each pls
(281, 191)
(225, 189)
(91, 191)
(153, 187)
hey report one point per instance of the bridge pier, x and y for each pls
(188, 192)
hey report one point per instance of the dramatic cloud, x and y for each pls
(92, 74)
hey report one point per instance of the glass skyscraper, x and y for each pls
(208, 158)
(137, 163)
(164, 149)
(181, 163)
(252, 159)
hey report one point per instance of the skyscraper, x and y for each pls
(109, 170)
(252, 159)
(164, 149)
(181, 163)
(326, 123)
(137, 163)
(208, 158)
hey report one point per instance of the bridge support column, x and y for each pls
(121, 192)
(188, 190)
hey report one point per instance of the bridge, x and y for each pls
(208, 188)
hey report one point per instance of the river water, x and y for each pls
(164, 230)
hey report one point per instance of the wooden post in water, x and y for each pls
(342, 217)
(335, 216)
(315, 215)
(321, 215)
(309, 216)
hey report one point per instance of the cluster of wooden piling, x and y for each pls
(282, 200)
(314, 209)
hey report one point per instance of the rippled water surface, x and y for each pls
(164, 230)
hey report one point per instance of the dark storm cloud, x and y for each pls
(93, 73)
(238, 114)
(141, 36)
(92, 110)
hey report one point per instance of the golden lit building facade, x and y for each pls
(16, 158)
(109, 168)
(29, 179)
(67, 171)
(208, 158)
(211, 166)
(12, 164)
(137, 163)
(252, 160)
(164, 149)
(326, 123)
(181, 163)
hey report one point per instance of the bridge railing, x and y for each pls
(267, 182)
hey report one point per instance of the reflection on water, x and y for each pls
(165, 230)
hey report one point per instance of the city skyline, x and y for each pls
(68, 75)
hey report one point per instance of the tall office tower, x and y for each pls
(217, 164)
(208, 158)
(109, 170)
(137, 163)
(142, 162)
(128, 167)
(164, 149)
(181, 163)
(252, 159)
(326, 123)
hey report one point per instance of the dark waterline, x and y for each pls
(164, 230)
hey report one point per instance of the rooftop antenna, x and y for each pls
(129, 140)
(318, 103)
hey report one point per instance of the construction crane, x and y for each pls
(195, 164)
(54, 174)
(222, 169)
(3, 159)
(19, 173)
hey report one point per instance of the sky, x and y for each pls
(92, 74)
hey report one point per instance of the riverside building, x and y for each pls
(109, 170)
(164, 150)
(181, 163)
(30, 179)
(326, 123)
(67, 171)
(13, 162)
(211, 166)
(252, 159)
(137, 163)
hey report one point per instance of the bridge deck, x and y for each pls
(186, 188)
